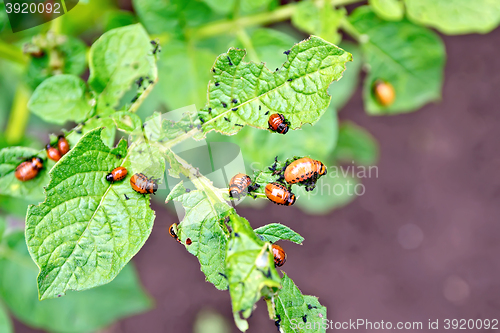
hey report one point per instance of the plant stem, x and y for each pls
(347, 27)
(224, 26)
(247, 44)
(201, 182)
(12, 53)
(133, 108)
(19, 115)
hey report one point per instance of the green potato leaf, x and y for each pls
(274, 232)
(455, 17)
(322, 21)
(409, 57)
(297, 313)
(87, 229)
(117, 59)
(174, 16)
(192, 65)
(221, 6)
(249, 269)
(205, 227)
(5, 323)
(81, 312)
(390, 10)
(356, 144)
(242, 93)
(61, 98)
(269, 45)
(32, 189)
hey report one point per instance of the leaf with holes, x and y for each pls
(87, 229)
(245, 93)
(31, 189)
(204, 226)
(249, 268)
(118, 58)
(274, 232)
(292, 308)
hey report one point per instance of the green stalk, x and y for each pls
(348, 28)
(221, 27)
(12, 53)
(19, 116)
(247, 44)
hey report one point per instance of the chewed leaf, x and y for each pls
(87, 229)
(204, 226)
(31, 189)
(117, 59)
(249, 268)
(274, 232)
(292, 308)
(245, 93)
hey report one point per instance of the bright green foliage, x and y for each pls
(107, 135)
(172, 17)
(117, 59)
(204, 225)
(454, 17)
(5, 323)
(321, 21)
(334, 190)
(61, 98)
(221, 6)
(126, 122)
(82, 312)
(10, 158)
(274, 232)
(193, 66)
(342, 90)
(295, 309)
(86, 230)
(3, 226)
(249, 90)
(409, 57)
(268, 45)
(390, 10)
(250, 269)
(356, 145)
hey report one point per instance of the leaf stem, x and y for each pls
(247, 44)
(19, 116)
(201, 182)
(12, 53)
(135, 106)
(221, 27)
(347, 27)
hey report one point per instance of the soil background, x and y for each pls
(422, 243)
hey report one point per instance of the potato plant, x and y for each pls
(82, 230)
